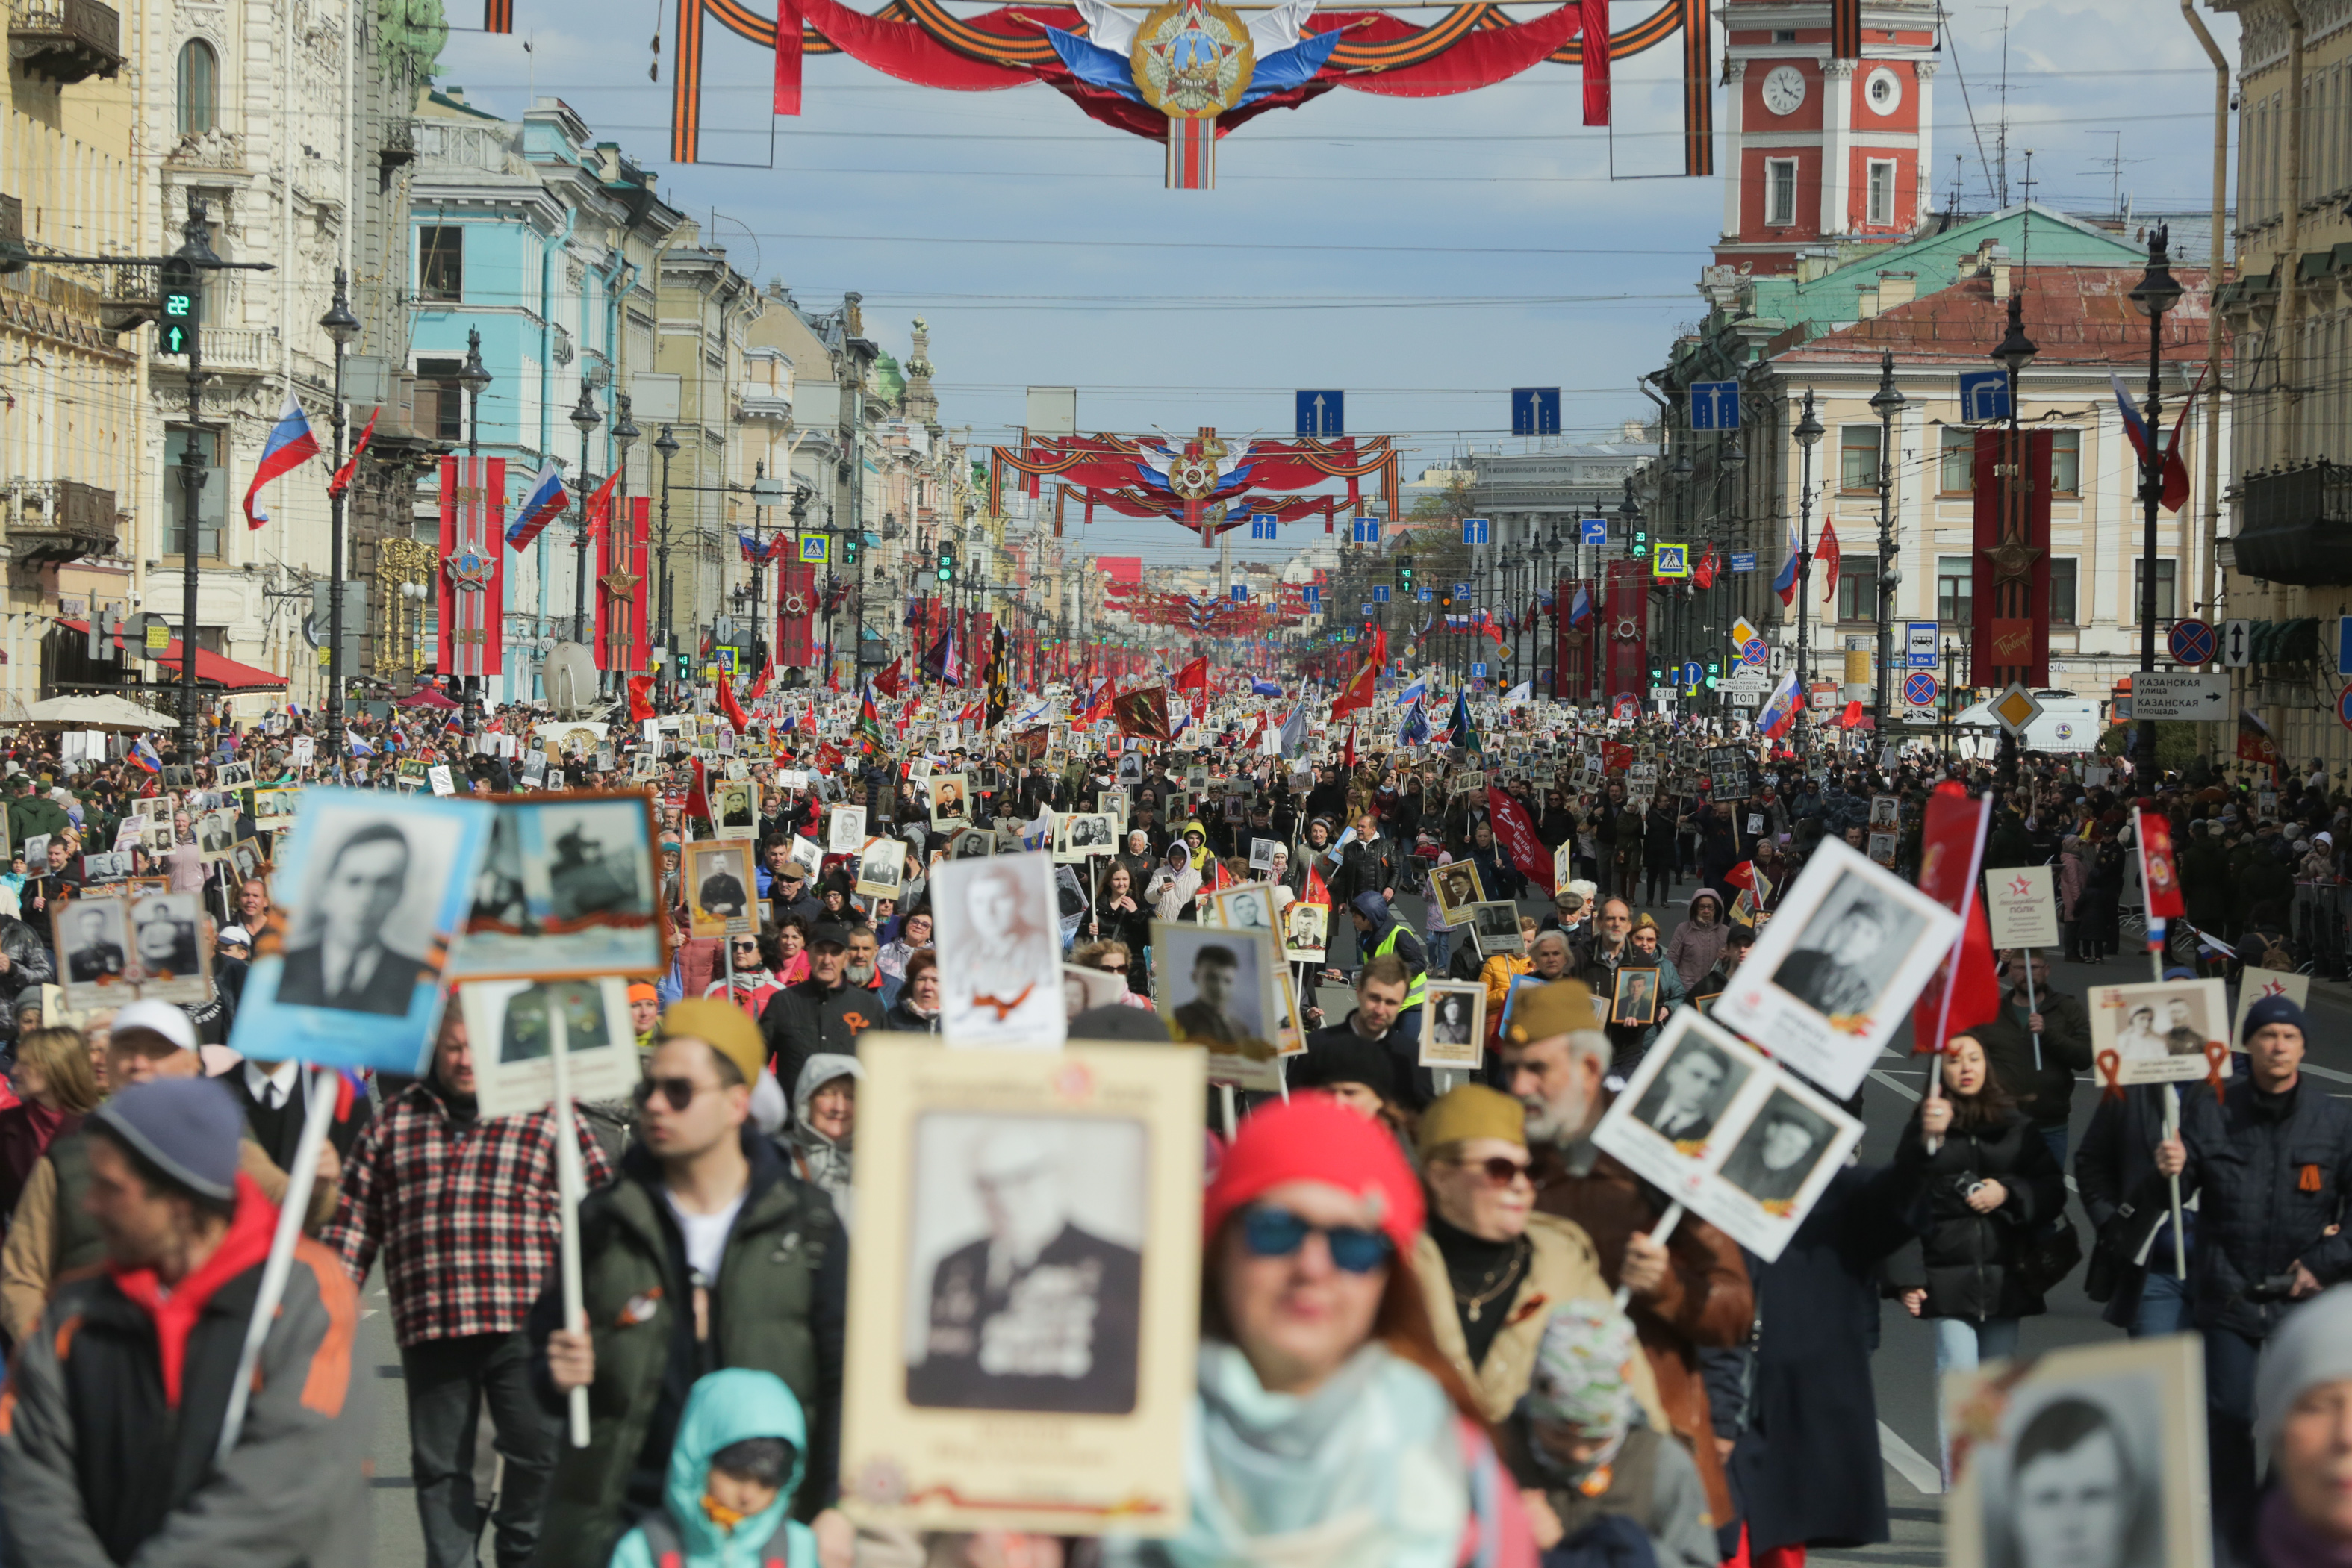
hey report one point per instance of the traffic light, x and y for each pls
(1657, 675)
(176, 331)
(684, 668)
(1640, 548)
(1446, 601)
(1714, 673)
(1404, 575)
(849, 543)
(947, 564)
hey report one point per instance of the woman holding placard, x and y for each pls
(1979, 1180)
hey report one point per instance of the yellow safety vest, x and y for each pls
(1416, 993)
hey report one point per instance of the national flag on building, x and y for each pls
(545, 503)
(2175, 472)
(290, 445)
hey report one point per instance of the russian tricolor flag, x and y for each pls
(2175, 472)
(1779, 709)
(546, 502)
(1785, 584)
(290, 445)
(1580, 609)
(142, 757)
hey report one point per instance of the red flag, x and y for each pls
(1827, 550)
(641, 700)
(698, 798)
(1317, 890)
(1193, 677)
(1347, 757)
(343, 479)
(1616, 758)
(2254, 743)
(1703, 572)
(1963, 991)
(1852, 718)
(600, 505)
(1515, 833)
(1742, 875)
(759, 687)
(893, 680)
(1357, 693)
(1143, 713)
(730, 709)
(2158, 872)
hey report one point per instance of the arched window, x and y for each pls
(199, 88)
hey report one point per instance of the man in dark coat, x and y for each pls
(822, 1013)
(2044, 1091)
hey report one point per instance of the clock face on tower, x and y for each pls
(1784, 88)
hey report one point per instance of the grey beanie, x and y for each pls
(189, 1128)
(2311, 1347)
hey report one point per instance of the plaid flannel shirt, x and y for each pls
(466, 1217)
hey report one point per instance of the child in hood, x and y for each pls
(741, 1452)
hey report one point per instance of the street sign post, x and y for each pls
(1920, 688)
(1474, 531)
(2016, 708)
(2189, 642)
(1534, 411)
(2179, 694)
(2237, 644)
(1754, 653)
(1741, 631)
(1322, 411)
(2344, 706)
(1714, 406)
(1670, 561)
(1596, 530)
(1743, 560)
(1984, 395)
(1692, 672)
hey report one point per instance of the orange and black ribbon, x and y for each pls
(2111, 1063)
(2217, 1056)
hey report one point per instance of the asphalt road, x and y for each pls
(1904, 1364)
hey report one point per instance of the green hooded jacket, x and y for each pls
(725, 1407)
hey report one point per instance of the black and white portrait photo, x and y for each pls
(500, 904)
(111, 866)
(1454, 1026)
(525, 1033)
(1217, 989)
(215, 832)
(1456, 890)
(845, 830)
(1026, 1263)
(92, 942)
(1090, 834)
(1688, 1096)
(1130, 769)
(1886, 814)
(233, 775)
(1246, 908)
(971, 843)
(733, 809)
(997, 930)
(1882, 849)
(1494, 927)
(364, 914)
(2158, 1029)
(165, 933)
(1778, 1150)
(881, 867)
(1839, 966)
(512, 1023)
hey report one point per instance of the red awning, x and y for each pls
(423, 696)
(212, 669)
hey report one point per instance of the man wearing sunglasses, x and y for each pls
(1689, 1294)
(705, 1254)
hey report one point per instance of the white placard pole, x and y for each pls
(2172, 1129)
(2026, 955)
(568, 1183)
(1659, 1233)
(1226, 1105)
(319, 1112)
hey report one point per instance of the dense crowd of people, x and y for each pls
(1439, 1325)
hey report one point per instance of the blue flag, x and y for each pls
(1416, 727)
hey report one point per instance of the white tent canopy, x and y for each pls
(99, 713)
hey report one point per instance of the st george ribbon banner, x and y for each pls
(472, 583)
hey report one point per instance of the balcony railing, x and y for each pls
(2294, 525)
(64, 41)
(62, 519)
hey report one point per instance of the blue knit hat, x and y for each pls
(2268, 1011)
(188, 1127)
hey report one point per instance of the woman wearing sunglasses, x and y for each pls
(1488, 1264)
(1329, 1428)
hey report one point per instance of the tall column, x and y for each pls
(1735, 173)
(1924, 113)
(1837, 146)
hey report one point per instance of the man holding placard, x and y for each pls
(705, 1253)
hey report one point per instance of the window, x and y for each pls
(437, 380)
(2065, 462)
(2061, 591)
(1959, 465)
(1956, 590)
(1881, 209)
(1857, 588)
(441, 263)
(1779, 192)
(2166, 607)
(212, 501)
(1858, 456)
(199, 88)
(1784, 35)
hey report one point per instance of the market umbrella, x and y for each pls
(425, 697)
(99, 713)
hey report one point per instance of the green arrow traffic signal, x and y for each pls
(175, 330)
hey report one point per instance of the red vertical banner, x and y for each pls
(1623, 628)
(1593, 46)
(623, 599)
(2010, 588)
(795, 616)
(469, 592)
(2159, 874)
(1572, 653)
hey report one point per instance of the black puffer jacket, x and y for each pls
(2275, 1171)
(30, 967)
(1965, 1260)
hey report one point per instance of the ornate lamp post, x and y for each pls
(2157, 292)
(1886, 403)
(341, 329)
(475, 378)
(584, 420)
(2013, 559)
(667, 445)
(624, 436)
(1809, 433)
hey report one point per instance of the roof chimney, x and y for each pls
(1898, 289)
(1996, 263)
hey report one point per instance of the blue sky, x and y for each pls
(1424, 255)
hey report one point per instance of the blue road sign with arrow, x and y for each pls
(1984, 395)
(1596, 531)
(1322, 411)
(1714, 406)
(1473, 530)
(1534, 411)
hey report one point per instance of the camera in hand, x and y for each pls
(2272, 1288)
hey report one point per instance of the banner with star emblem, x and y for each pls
(2012, 560)
(625, 602)
(471, 586)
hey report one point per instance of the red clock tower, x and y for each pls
(1823, 149)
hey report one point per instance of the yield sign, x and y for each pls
(2016, 708)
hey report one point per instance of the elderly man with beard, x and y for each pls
(1689, 1294)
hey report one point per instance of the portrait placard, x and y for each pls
(2021, 907)
(1886, 814)
(1216, 989)
(2159, 1031)
(1882, 849)
(735, 809)
(1494, 928)
(568, 887)
(1454, 1026)
(1835, 973)
(1456, 887)
(91, 938)
(2089, 1454)
(881, 867)
(274, 809)
(216, 832)
(376, 890)
(518, 1077)
(950, 798)
(845, 830)
(1306, 928)
(233, 776)
(1249, 907)
(997, 925)
(1722, 1130)
(1633, 999)
(1055, 1395)
(719, 881)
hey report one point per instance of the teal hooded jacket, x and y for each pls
(726, 1407)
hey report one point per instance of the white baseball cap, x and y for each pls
(157, 1019)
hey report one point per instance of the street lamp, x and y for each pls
(2012, 353)
(584, 418)
(1809, 434)
(475, 378)
(667, 445)
(342, 328)
(2157, 292)
(624, 436)
(1886, 403)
